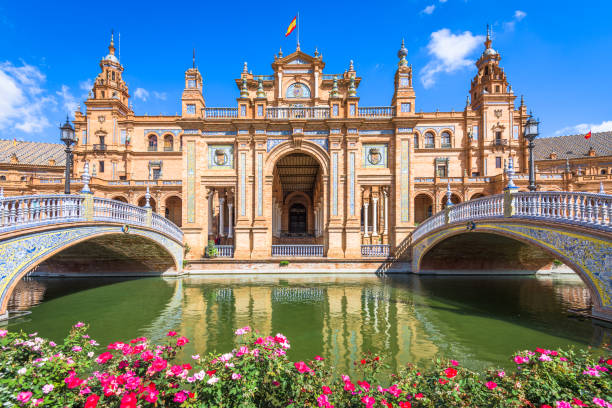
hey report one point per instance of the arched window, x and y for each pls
(604, 171)
(416, 141)
(298, 90)
(446, 139)
(168, 143)
(3, 178)
(429, 140)
(152, 143)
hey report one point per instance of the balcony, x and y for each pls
(298, 113)
(168, 149)
(500, 142)
(152, 148)
(99, 147)
(220, 113)
(225, 251)
(376, 112)
(375, 251)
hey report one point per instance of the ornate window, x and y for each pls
(152, 143)
(446, 139)
(416, 141)
(298, 90)
(168, 143)
(429, 140)
(405, 107)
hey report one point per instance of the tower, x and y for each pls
(193, 98)
(403, 95)
(109, 84)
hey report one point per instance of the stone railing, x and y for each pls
(298, 113)
(23, 212)
(297, 250)
(375, 250)
(225, 251)
(220, 113)
(587, 209)
(376, 112)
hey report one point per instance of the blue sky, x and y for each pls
(555, 53)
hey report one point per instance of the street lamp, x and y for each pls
(67, 136)
(531, 132)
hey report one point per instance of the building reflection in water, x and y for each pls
(27, 293)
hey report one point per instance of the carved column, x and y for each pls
(230, 214)
(221, 204)
(375, 216)
(386, 198)
(366, 206)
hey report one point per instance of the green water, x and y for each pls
(479, 321)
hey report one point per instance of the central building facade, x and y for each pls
(299, 167)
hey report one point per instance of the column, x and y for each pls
(365, 219)
(211, 197)
(230, 214)
(375, 216)
(221, 202)
(386, 197)
(316, 222)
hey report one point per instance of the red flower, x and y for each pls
(576, 401)
(92, 401)
(158, 364)
(129, 400)
(545, 406)
(171, 333)
(418, 396)
(442, 381)
(326, 390)
(450, 372)
(405, 404)
(104, 357)
(363, 361)
(210, 373)
(302, 367)
(609, 362)
(376, 358)
(182, 341)
(491, 385)
(319, 358)
(364, 384)
(368, 401)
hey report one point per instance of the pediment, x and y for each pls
(298, 58)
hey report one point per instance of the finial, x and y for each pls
(316, 54)
(244, 92)
(522, 100)
(510, 173)
(352, 90)
(147, 198)
(297, 48)
(193, 59)
(449, 202)
(111, 46)
(280, 52)
(487, 42)
(245, 69)
(85, 177)
(467, 100)
(351, 66)
(567, 166)
(334, 91)
(601, 189)
(401, 54)
(260, 89)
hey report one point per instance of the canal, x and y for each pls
(479, 321)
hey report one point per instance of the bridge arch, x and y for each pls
(24, 252)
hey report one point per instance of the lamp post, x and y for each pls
(531, 132)
(67, 136)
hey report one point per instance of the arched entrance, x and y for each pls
(297, 199)
(142, 202)
(423, 207)
(454, 199)
(174, 210)
(120, 198)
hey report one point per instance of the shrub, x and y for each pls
(283, 263)
(257, 373)
(211, 249)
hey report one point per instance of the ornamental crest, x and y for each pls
(374, 155)
(498, 113)
(220, 157)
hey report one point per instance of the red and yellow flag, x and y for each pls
(292, 26)
(588, 135)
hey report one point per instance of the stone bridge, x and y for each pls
(520, 232)
(82, 234)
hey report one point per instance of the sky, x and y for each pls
(555, 53)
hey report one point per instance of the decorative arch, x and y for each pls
(296, 196)
(152, 142)
(429, 139)
(423, 206)
(168, 142)
(298, 90)
(417, 140)
(590, 256)
(306, 147)
(26, 252)
(446, 138)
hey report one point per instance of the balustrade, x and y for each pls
(225, 251)
(297, 250)
(376, 112)
(220, 113)
(375, 250)
(297, 113)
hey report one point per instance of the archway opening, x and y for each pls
(477, 195)
(142, 201)
(120, 198)
(174, 210)
(454, 199)
(423, 208)
(297, 200)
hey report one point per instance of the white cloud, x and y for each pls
(141, 93)
(443, 1)
(429, 9)
(24, 101)
(449, 53)
(605, 126)
(518, 16)
(69, 102)
(159, 95)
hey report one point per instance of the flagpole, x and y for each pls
(298, 28)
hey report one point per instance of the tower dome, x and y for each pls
(111, 51)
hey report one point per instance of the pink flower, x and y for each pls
(601, 403)
(501, 374)
(576, 401)
(326, 390)
(454, 362)
(364, 384)
(322, 400)
(346, 378)
(302, 367)
(77, 348)
(180, 396)
(562, 358)
(519, 359)
(393, 390)
(182, 341)
(563, 404)
(171, 333)
(368, 401)
(491, 385)
(24, 397)
(592, 372)
(236, 376)
(79, 324)
(158, 364)
(545, 357)
(3, 333)
(213, 380)
(243, 330)
(104, 357)
(47, 388)
(242, 350)
(319, 358)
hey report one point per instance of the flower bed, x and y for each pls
(38, 372)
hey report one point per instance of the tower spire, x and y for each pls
(487, 42)
(111, 46)
(193, 58)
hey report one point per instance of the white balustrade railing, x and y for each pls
(377, 250)
(297, 250)
(221, 113)
(376, 112)
(297, 113)
(225, 251)
(588, 209)
(22, 212)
